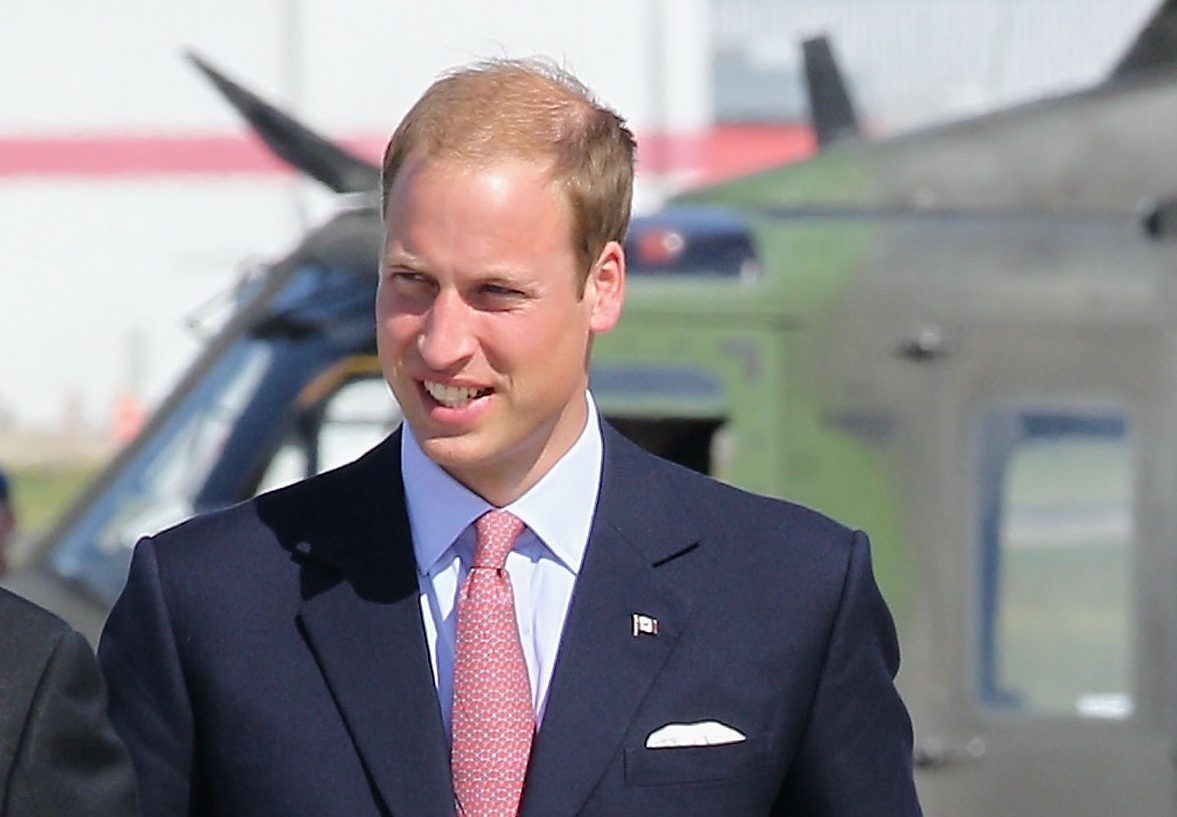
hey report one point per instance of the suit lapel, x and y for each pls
(603, 670)
(362, 619)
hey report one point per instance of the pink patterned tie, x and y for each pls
(493, 717)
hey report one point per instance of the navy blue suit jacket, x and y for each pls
(58, 753)
(271, 659)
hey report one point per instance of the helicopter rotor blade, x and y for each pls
(293, 142)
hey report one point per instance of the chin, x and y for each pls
(453, 452)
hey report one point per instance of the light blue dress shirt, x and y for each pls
(543, 567)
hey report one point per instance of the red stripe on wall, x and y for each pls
(719, 153)
(134, 155)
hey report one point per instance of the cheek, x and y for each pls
(549, 349)
(394, 324)
(395, 337)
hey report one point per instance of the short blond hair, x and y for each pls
(531, 110)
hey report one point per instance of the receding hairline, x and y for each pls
(421, 161)
(537, 111)
(463, 112)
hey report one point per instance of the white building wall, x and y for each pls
(95, 264)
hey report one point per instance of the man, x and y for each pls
(506, 607)
(58, 753)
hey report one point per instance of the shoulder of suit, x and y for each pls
(709, 501)
(29, 636)
(20, 613)
(286, 512)
(27, 628)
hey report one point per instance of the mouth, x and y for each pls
(453, 396)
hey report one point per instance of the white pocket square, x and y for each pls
(703, 733)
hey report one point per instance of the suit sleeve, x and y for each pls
(856, 754)
(149, 702)
(69, 760)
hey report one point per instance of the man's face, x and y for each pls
(482, 333)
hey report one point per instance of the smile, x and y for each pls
(453, 396)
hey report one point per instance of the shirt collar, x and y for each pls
(558, 509)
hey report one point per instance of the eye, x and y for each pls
(500, 291)
(497, 297)
(408, 281)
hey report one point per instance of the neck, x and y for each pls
(511, 476)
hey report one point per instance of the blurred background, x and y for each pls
(132, 197)
(959, 340)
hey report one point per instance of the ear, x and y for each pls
(605, 288)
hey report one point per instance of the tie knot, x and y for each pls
(497, 532)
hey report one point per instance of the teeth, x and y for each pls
(451, 396)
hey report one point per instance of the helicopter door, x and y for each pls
(1060, 685)
(338, 416)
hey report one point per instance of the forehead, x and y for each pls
(452, 165)
(507, 189)
(467, 213)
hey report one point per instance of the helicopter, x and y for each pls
(960, 339)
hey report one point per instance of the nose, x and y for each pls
(446, 339)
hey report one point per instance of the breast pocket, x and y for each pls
(697, 764)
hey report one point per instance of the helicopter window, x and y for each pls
(335, 430)
(691, 243)
(156, 488)
(1056, 573)
(356, 418)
